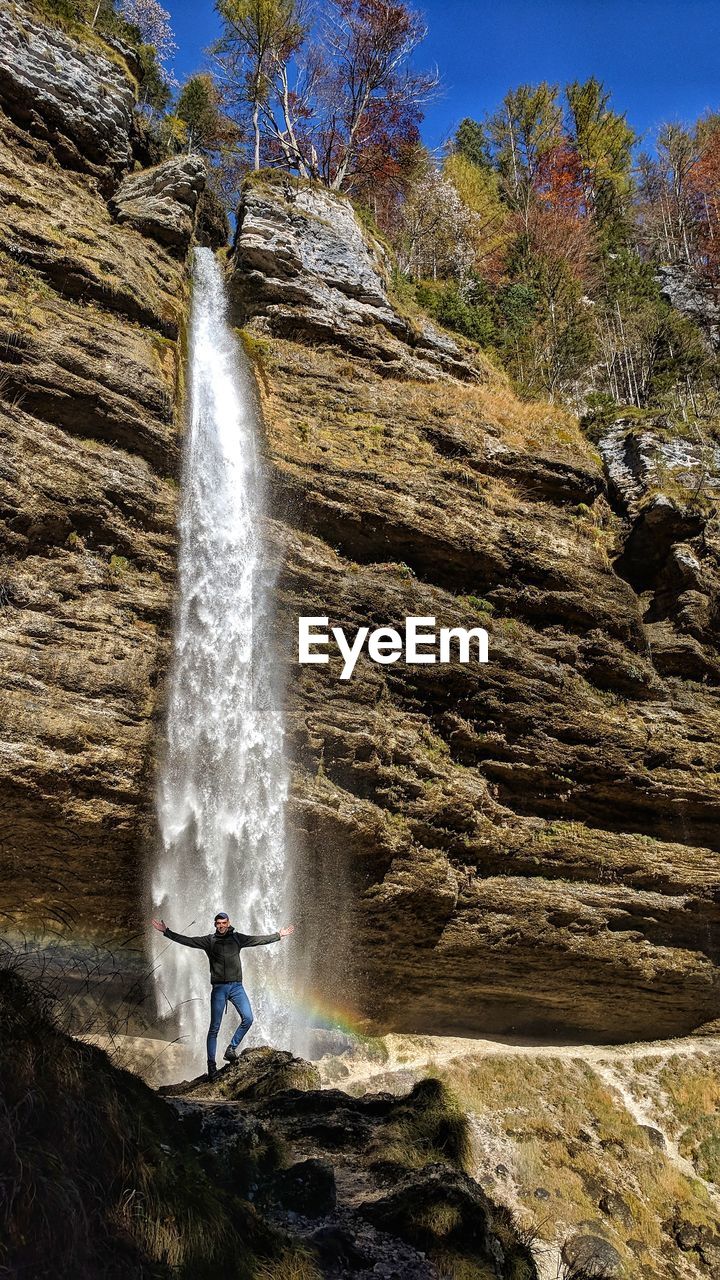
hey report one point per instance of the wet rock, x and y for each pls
(162, 202)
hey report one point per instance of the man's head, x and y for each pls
(222, 922)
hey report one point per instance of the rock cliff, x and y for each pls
(91, 306)
(527, 846)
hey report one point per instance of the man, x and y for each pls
(223, 949)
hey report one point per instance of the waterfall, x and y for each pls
(223, 781)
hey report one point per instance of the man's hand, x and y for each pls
(288, 928)
(160, 925)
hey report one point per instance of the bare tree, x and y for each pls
(259, 39)
(369, 43)
(321, 92)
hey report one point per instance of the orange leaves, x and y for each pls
(703, 183)
(564, 237)
(559, 181)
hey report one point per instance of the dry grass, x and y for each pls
(293, 1264)
(569, 1134)
(693, 1092)
(345, 405)
(428, 1126)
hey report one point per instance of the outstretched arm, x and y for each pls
(258, 940)
(201, 941)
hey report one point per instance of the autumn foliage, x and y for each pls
(539, 231)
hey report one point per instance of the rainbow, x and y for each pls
(315, 1010)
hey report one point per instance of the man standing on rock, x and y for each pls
(223, 949)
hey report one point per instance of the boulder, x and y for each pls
(162, 202)
(303, 261)
(257, 1076)
(591, 1258)
(654, 1136)
(439, 1207)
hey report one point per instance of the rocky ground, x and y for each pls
(262, 1175)
(607, 1154)
(372, 1185)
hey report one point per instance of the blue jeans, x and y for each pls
(220, 994)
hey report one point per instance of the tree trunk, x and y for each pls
(256, 131)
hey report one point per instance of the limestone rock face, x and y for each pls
(527, 846)
(161, 202)
(89, 396)
(302, 259)
(668, 488)
(686, 294)
(524, 846)
(76, 98)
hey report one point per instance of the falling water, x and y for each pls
(223, 783)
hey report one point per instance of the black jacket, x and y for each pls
(223, 950)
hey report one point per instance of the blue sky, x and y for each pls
(660, 58)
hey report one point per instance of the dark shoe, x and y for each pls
(212, 1071)
(231, 1054)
